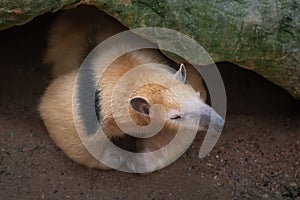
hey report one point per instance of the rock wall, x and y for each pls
(261, 35)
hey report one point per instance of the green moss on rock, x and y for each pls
(261, 35)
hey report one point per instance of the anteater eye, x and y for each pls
(177, 117)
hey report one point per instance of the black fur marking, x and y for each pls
(126, 142)
(87, 88)
(98, 105)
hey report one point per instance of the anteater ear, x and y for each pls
(140, 105)
(180, 75)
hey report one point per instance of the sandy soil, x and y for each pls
(257, 156)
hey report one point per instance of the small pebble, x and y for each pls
(265, 196)
(293, 184)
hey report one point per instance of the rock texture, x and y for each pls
(261, 35)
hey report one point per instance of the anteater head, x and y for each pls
(174, 102)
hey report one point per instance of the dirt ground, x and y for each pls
(256, 157)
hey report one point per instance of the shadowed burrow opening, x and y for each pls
(23, 74)
(250, 93)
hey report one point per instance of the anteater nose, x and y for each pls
(209, 118)
(211, 121)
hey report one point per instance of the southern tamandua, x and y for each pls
(72, 36)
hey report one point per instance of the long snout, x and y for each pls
(213, 123)
(210, 119)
